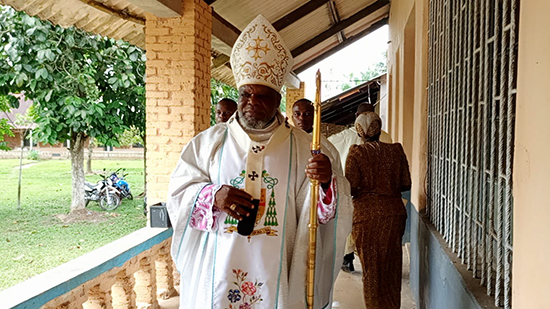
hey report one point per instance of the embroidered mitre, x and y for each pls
(260, 56)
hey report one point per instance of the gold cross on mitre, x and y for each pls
(257, 48)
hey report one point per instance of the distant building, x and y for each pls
(21, 132)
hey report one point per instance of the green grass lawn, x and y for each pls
(33, 239)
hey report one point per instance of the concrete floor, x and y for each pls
(348, 291)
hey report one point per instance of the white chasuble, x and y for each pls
(247, 268)
(222, 269)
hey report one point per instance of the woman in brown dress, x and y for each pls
(378, 173)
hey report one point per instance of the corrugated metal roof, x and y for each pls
(75, 12)
(310, 36)
(307, 27)
(241, 12)
(347, 8)
(366, 22)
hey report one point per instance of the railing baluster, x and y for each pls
(122, 291)
(145, 287)
(165, 279)
(96, 299)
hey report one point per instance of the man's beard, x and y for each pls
(251, 123)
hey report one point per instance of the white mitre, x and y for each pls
(260, 56)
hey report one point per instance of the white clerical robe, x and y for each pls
(225, 270)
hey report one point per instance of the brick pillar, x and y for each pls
(293, 95)
(177, 89)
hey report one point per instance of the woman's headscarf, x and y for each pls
(368, 124)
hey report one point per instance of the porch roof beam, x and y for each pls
(336, 19)
(160, 8)
(220, 60)
(224, 30)
(298, 13)
(339, 27)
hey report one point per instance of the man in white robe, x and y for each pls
(257, 156)
(348, 137)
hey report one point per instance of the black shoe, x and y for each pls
(347, 265)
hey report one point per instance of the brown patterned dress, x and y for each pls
(378, 173)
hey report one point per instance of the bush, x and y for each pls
(33, 155)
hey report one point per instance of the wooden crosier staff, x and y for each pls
(314, 191)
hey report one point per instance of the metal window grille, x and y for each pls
(471, 115)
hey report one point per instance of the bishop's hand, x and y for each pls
(237, 203)
(320, 168)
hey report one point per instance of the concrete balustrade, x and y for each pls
(165, 277)
(132, 272)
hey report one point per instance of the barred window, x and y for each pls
(471, 116)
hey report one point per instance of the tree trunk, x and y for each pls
(20, 170)
(77, 168)
(91, 146)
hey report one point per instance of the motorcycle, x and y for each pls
(121, 184)
(103, 191)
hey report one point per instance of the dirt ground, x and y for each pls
(85, 215)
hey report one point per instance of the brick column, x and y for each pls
(293, 95)
(178, 89)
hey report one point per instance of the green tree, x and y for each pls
(372, 71)
(5, 126)
(218, 91)
(131, 137)
(82, 85)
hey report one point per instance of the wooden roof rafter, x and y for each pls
(123, 14)
(298, 13)
(336, 19)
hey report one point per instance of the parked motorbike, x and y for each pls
(103, 191)
(121, 185)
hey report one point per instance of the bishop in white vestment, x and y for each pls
(256, 155)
